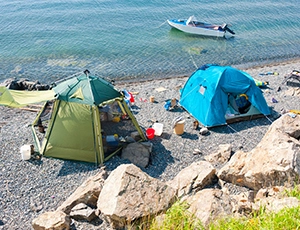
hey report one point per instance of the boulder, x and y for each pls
(209, 204)
(276, 192)
(274, 161)
(193, 178)
(222, 155)
(56, 220)
(86, 193)
(82, 212)
(272, 204)
(137, 153)
(129, 194)
(241, 204)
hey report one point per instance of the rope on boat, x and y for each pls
(162, 24)
(193, 60)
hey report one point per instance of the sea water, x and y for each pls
(118, 39)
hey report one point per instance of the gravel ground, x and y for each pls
(29, 188)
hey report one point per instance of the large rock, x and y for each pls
(82, 212)
(193, 178)
(275, 198)
(138, 153)
(86, 193)
(130, 194)
(56, 220)
(209, 204)
(275, 160)
(272, 204)
(222, 155)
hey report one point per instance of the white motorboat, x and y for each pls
(192, 26)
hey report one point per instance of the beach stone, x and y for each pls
(222, 155)
(209, 204)
(56, 220)
(82, 212)
(135, 136)
(86, 193)
(137, 153)
(203, 131)
(129, 194)
(274, 161)
(193, 178)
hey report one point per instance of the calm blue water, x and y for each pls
(121, 39)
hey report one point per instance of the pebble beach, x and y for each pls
(29, 188)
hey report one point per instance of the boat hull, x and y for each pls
(211, 30)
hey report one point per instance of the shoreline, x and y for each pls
(245, 67)
(29, 188)
(59, 73)
(275, 63)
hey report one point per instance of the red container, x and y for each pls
(150, 133)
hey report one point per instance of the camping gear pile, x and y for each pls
(294, 75)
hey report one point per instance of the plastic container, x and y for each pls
(179, 127)
(112, 141)
(150, 133)
(158, 127)
(25, 151)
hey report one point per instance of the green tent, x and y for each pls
(82, 120)
(79, 119)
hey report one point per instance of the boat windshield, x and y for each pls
(190, 19)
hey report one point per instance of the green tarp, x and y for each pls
(21, 98)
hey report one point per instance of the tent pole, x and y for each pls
(134, 121)
(98, 144)
(50, 125)
(35, 122)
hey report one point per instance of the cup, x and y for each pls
(152, 99)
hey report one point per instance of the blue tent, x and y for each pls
(211, 94)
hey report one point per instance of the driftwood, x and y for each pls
(30, 109)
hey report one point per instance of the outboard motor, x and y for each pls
(225, 28)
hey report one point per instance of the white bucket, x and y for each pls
(158, 127)
(25, 151)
